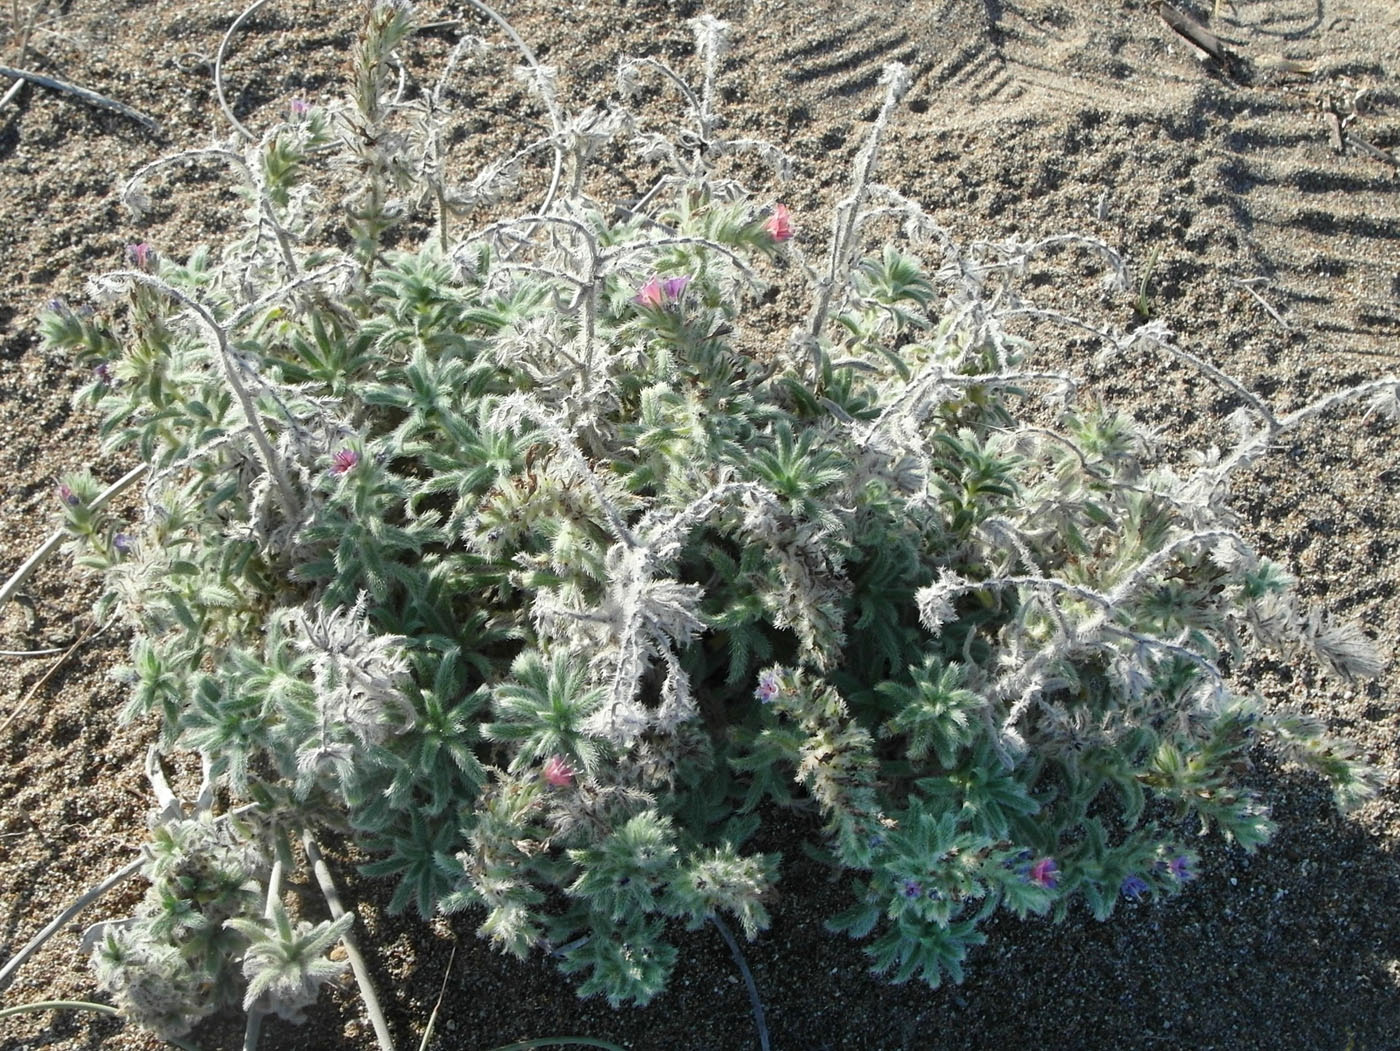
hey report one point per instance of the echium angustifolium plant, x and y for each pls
(520, 557)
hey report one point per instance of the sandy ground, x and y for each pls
(1026, 118)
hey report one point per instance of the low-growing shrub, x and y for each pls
(518, 553)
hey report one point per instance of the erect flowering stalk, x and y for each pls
(387, 24)
(845, 242)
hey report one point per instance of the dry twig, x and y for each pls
(90, 97)
(44, 679)
(1248, 286)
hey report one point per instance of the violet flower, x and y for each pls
(66, 495)
(769, 687)
(1133, 887)
(1180, 868)
(298, 108)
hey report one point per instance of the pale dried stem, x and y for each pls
(61, 920)
(555, 118)
(323, 876)
(248, 12)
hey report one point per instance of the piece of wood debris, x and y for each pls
(1374, 151)
(1280, 64)
(1189, 29)
(90, 97)
(1336, 127)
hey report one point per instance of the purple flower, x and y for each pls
(1181, 868)
(103, 374)
(1020, 858)
(674, 286)
(298, 108)
(66, 495)
(770, 685)
(344, 461)
(1044, 873)
(911, 888)
(142, 256)
(123, 543)
(1134, 887)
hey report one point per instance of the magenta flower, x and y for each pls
(779, 227)
(344, 461)
(142, 257)
(672, 287)
(769, 686)
(558, 772)
(1044, 873)
(67, 496)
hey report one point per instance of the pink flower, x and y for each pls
(344, 461)
(1044, 873)
(299, 108)
(142, 256)
(657, 294)
(558, 772)
(651, 294)
(779, 227)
